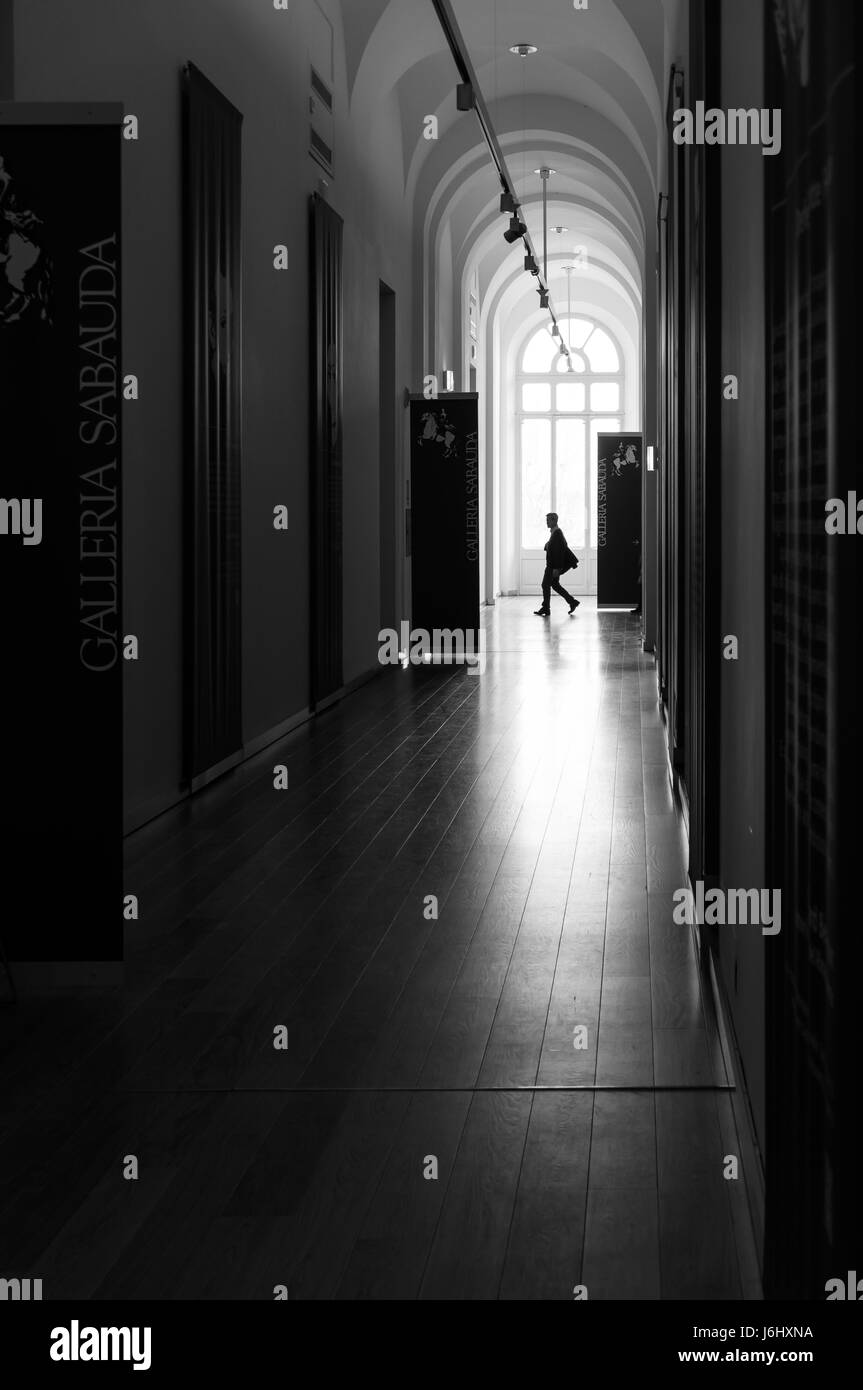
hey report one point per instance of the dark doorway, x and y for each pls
(213, 403)
(387, 477)
(327, 600)
(813, 1216)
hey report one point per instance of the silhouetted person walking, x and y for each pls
(558, 559)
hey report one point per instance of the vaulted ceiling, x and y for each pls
(589, 104)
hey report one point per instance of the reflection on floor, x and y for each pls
(538, 1030)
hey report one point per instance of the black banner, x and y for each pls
(619, 465)
(106, 1342)
(60, 406)
(445, 513)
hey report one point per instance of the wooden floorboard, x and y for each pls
(543, 1257)
(500, 1082)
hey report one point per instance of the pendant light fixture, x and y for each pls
(568, 271)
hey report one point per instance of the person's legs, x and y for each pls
(546, 594)
(559, 589)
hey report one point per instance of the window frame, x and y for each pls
(555, 378)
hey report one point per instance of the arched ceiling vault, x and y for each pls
(577, 204)
(509, 297)
(600, 268)
(590, 104)
(606, 59)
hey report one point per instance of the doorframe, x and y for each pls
(586, 379)
(703, 460)
(326, 324)
(589, 553)
(673, 395)
(389, 476)
(212, 510)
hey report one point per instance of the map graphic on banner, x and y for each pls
(439, 432)
(26, 271)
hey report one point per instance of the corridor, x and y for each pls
(533, 803)
(341, 960)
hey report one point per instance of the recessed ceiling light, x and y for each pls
(560, 230)
(523, 50)
(545, 170)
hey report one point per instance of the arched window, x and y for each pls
(561, 412)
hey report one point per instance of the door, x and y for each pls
(560, 415)
(213, 366)
(387, 475)
(326, 454)
(813, 1216)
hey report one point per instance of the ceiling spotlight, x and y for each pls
(555, 333)
(465, 97)
(531, 265)
(507, 202)
(543, 299)
(523, 50)
(517, 230)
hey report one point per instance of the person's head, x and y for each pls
(551, 520)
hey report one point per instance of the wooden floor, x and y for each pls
(532, 803)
